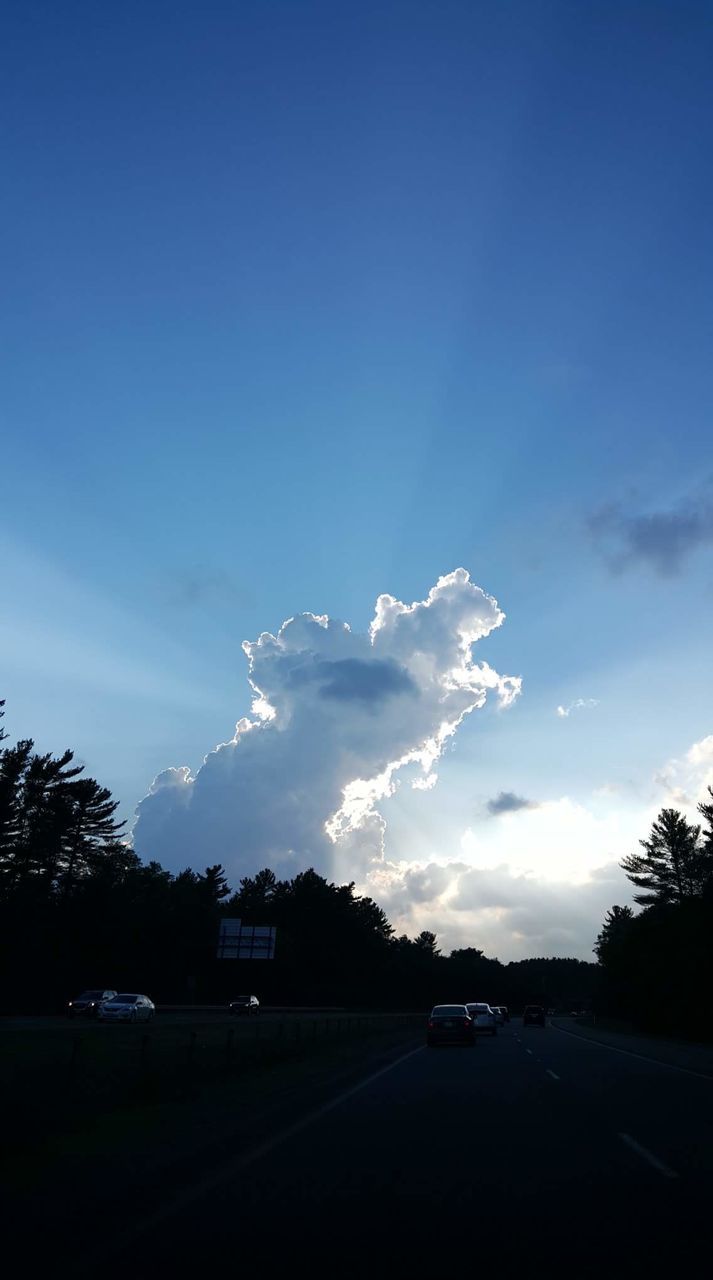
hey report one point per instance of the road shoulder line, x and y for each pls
(657, 1062)
(665, 1170)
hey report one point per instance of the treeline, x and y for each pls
(657, 964)
(79, 909)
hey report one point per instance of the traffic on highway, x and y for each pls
(551, 1140)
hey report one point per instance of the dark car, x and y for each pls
(450, 1024)
(244, 1005)
(534, 1016)
(89, 1003)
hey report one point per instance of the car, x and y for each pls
(89, 1003)
(504, 1011)
(244, 1006)
(128, 1006)
(483, 1018)
(499, 1015)
(534, 1016)
(449, 1024)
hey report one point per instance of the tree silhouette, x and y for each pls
(427, 943)
(614, 931)
(670, 868)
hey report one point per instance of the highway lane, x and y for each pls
(531, 1149)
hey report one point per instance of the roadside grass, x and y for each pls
(63, 1079)
(623, 1027)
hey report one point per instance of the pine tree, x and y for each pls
(705, 848)
(91, 829)
(670, 869)
(614, 931)
(214, 884)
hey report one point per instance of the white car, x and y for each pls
(483, 1018)
(127, 1007)
(499, 1015)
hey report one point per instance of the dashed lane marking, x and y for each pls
(648, 1156)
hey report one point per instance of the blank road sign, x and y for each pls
(237, 941)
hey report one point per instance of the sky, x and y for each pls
(311, 307)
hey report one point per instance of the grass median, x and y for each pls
(60, 1078)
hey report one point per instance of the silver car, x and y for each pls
(127, 1007)
(483, 1017)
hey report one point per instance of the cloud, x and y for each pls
(338, 719)
(357, 680)
(579, 704)
(508, 802)
(661, 539)
(685, 782)
(191, 587)
(537, 882)
(504, 912)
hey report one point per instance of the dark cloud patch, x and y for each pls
(661, 539)
(366, 680)
(200, 586)
(508, 802)
(356, 680)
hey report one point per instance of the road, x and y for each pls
(536, 1149)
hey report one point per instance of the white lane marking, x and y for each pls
(648, 1156)
(243, 1162)
(551, 1073)
(529, 1051)
(599, 1044)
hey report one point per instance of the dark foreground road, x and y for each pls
(535, 1150)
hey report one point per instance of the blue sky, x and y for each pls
(307, 302)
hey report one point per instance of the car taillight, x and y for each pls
(431, 1024)
(467, 1022)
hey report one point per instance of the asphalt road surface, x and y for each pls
(536, 1150)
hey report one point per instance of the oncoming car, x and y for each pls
(244, 1005)
(127, 1007)
(483, 1017)
(450, 1024)
(89, 1003)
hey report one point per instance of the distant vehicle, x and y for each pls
(499, 1015)
(483, 1018)
(127, 1007)
(534, 1016)
(88, 1004)
(244, 1005)
(450, 1024)
(505, 1013)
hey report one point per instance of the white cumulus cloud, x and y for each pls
(336, 717)
(685, 782)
